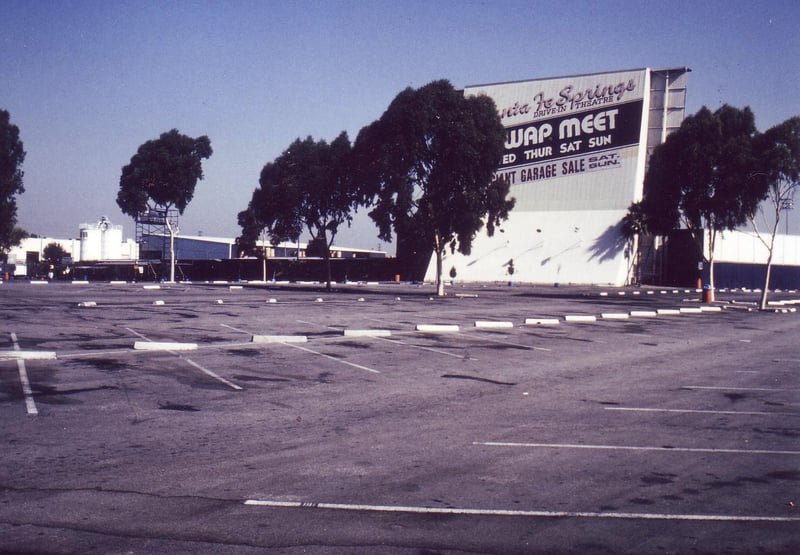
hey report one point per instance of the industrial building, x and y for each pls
(102, 251)
(98, 242)
(199, 247)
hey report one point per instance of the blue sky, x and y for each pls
(87, 82)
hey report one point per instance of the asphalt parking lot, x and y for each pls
(229, 418)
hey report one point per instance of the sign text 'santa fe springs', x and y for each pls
(567, 126)
(575, 157)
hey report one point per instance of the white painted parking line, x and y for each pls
(212, 374)
(278, 504)
(236, 329)
(797, 360)
(193, 363)
(734, 388)
(312, 351)
(697, 411)
(635, 448)
(291, 344)
(429, 349)
(30, 404)
(483, 337)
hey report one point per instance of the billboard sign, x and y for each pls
(564, 127)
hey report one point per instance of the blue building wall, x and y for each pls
(751, 276)
(188, 248)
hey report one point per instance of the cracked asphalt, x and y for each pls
(656, 433)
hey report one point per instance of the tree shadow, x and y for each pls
(609, 244)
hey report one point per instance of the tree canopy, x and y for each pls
(12, 155)
(163, 173)
(777, 172)
(427, 165)
(699, 177)
(308, 186)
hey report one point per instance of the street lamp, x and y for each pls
(787, 204)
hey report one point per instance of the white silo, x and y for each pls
(90, 242)
(101, 241)
(111, 241)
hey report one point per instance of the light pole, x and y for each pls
(786, 205)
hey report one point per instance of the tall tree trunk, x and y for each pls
(712, 244)
(762, 304)
(437, 242)
(264, 256)
(326, 253)
(770, 250)
(171, 249)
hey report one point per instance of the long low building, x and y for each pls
(200, 247)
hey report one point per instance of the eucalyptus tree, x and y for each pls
(427, 165)
(12, 155)
(699, 178)
(309, 186)
(162, 176)
(778, 173)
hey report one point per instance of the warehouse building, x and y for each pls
(98, 242)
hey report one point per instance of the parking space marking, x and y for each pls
(210, 373)
(666, 448)
(483, 337)
(696, 411)
(429, 349)
(312, 351)
(30, 404)
(736, 388)
(236, 329)
(511, 513)
(399, 342)
(194, 364)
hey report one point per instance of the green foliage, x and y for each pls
(163, 173)
(308, 186)
(54, 253)
(779, 159)
(426, 166)
(778, 173)
(316, 247)
(12, 155)
(700, 176)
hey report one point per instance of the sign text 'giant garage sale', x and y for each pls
(577, 143)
